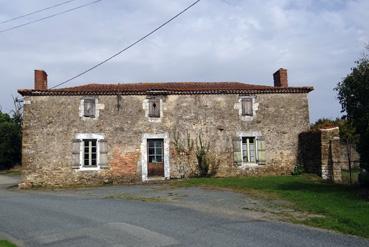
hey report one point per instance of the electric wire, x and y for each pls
(129, 46)
(36, 11)
(49, 16)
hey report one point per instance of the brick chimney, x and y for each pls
(280, 78)
(40, 80)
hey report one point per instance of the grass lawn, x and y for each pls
(15, 171)
(354, 176)
(342, 206)
(4, 243)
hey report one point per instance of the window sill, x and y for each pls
(89, 169)
(246, 165)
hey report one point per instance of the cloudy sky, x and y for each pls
(218, 40)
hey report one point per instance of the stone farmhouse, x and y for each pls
(113, 133)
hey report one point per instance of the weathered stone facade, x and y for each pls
(51, 123)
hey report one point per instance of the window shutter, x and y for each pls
(76, 149)
(154, 108)
(237, 152)
(89, 107)
(103, 162)
(247, 107)
(261, 150)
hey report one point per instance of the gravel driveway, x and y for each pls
(148, 215)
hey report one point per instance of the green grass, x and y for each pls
(354, 176)
(342, 206)
(15, 171)
(5, 243)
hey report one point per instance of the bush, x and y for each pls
(364, 178)
(202, 150)
(298, 170)
(10, 141)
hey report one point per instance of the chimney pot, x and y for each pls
(40, 80)
(280, 78)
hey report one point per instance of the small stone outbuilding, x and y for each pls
(112, 133)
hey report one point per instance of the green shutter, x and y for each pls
(76, 149)
(261, 150)
(103, 162)
(237, 152)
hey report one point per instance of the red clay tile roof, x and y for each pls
(166, 88)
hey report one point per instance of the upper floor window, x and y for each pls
(247, 107)
(154, 108)
(89, 107)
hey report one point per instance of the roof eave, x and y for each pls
(28, 92)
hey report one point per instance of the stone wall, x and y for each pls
(321, 153)
(52, 122)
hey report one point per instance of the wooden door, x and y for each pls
(155, 159)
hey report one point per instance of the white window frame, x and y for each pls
(248, 149)
(255, 108)
(144, 154)
(89, 136)
(98, 107)
(250, 134)
(146, 108)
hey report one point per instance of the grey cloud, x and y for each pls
(218, 40)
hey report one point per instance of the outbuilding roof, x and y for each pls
(166, 88)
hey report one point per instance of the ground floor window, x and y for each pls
(249, 149)
(253, 149)
(89, 153)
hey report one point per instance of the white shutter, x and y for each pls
(76, 151)
(103, 162)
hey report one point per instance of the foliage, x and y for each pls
(353, 93)
(324, 123)
(185, 148)
(364, 178)
(5, 243)
(348, 135)
(202, 150)
(298, 170)
(214, 164)
(350, 178)
(307, 193)
(347, 130)
(10, 141)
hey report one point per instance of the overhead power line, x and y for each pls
(131, 45)
(37, 11)
(49, 16)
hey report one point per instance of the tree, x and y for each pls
(349, 136)
(10, 141)
(323, 123)
(353, 94)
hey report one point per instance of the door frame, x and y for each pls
(144, 154)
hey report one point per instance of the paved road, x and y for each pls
(91, 218)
